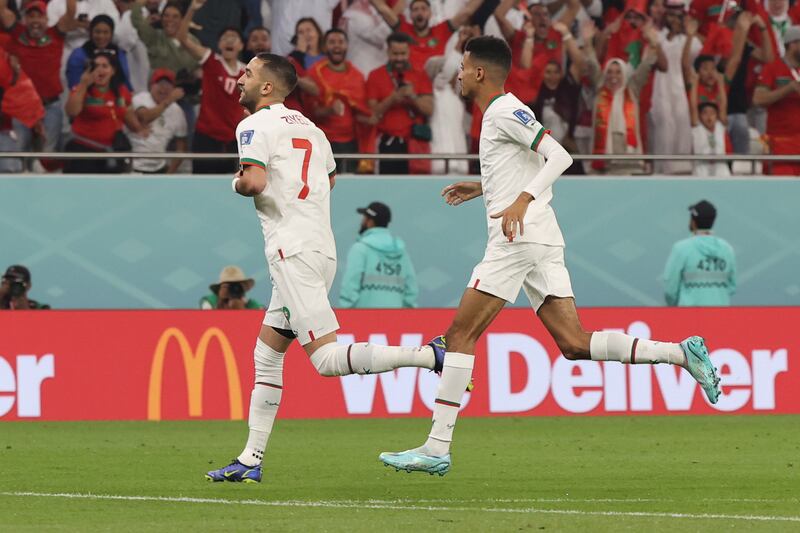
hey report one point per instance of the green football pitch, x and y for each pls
(509, 474)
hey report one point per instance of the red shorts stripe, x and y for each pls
(475, 285)
(280, 253)
(311, 334)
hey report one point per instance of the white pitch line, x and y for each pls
(382, 504)
(583, 500)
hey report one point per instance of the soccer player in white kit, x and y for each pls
(287, 166)
(519, 164)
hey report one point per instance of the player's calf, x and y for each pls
(575, 346)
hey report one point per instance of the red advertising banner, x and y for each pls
(153, 365)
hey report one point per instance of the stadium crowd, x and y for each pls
(605, 76)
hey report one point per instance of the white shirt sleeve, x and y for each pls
(522, 128)
(56, 10)
(253, 146)
(181, 129)
(141, 100)
(557, 160)
(700, 140)
(205, 57)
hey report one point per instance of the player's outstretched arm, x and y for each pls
(197, 50)
(458, 193)
(250, 181)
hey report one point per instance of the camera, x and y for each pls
(17, 287)
(235, 290)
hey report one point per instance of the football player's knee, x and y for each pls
(268, 364)
(324, 360)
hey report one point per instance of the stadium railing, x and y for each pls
(753, 159)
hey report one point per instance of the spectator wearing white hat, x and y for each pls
(230, 292)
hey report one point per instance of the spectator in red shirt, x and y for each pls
(98, 107)
(18, 101)
(220, 112)
(401, 100)
(426, 40)
(39, 50)
(535, 45)
(778, 91)
(707, 13)
(341, 104)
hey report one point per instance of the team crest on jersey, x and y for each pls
(246, 137)
(523, 116)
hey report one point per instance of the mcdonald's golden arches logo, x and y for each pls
(194, 364)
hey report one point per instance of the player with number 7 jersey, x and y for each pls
(287, 167)
(294, 209)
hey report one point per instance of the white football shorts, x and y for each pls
(537, 268)
(300, 285)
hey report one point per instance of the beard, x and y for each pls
(247, 103)
(362, 229)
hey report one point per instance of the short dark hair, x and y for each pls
(281, 67)
(412, 2)
(703, 105)
(174, 4)
(491, 50)
(398, 37)
(704, 58)
(335, 30)
(234, 29)
(258, 28)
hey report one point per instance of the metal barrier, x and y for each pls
(447, 158)
(387, 157)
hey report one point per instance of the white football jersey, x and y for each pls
(294, 208)
(509, 137)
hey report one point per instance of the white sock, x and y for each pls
(364, 358)
(455, 377)
(264, 402)
(614, 346)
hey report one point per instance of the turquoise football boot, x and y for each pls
(699, 366)
(413, 461)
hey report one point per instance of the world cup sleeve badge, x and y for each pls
(246, 137)
(523, 116)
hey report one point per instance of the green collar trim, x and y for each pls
(495, 97)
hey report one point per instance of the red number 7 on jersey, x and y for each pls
(303, 144)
